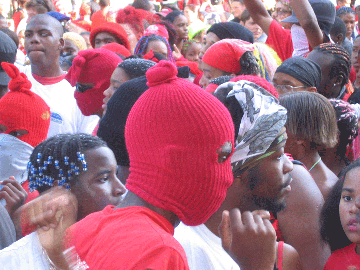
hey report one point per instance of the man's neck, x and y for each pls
(132, 199)
(52, 71)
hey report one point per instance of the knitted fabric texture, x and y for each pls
(78, 40)
(225, 54)
(231, 30)
(157, 29)
(94, 66)
(112, 28)
(21, 109)
(175, 136)
(117, 48)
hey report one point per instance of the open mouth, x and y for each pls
(352, 225)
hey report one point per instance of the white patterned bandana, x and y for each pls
(260, 125)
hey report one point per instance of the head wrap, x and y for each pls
(225, 54)
(21, 108)
(78, 40)
(157, 29)
(197, 135)
(302, 69)
(260, 125)
(231, 30)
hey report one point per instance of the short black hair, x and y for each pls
(173, 15)
(104, 3)
(142, 4)
(11, 34)
(245, 16)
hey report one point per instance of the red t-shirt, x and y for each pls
(344, 259)
(127, 238)
(280, 40)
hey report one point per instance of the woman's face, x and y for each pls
(209, 40)
(181, 26)
(69, 48)
(354, 55)
(209, 73)
(157, 46)
(350, 204)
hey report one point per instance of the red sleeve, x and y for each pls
(352, 76)
(280, 40)
(162, 258)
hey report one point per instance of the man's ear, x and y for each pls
(340, 39)
(62, 43)
(312, 89)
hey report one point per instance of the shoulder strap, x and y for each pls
(280, 255)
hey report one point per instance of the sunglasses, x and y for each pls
(82, 88)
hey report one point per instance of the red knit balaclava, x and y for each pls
(225, 54)
(92, 66)
(179, 139)
(21, 109)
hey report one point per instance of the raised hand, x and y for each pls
(249, 239)
(14, 195)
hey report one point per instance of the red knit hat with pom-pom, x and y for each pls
(93, 66)
(22, 109)
(113, 28)
(179, 139)
(225, 54)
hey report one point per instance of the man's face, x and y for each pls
(42, 42)
(354, 55)
(104, 38)
(271, 180)
(69, 48)
(237, 8)
(254, 28)
(31, 13)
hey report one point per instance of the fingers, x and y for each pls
(262, 213)
(225, 231)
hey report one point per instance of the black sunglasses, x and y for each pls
(82, 88)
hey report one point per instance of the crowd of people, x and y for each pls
(190, 134)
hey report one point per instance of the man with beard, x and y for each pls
(261, 175)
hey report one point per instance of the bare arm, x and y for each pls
(299, 222)
(291, 258)
(307, 19)
(259, 14)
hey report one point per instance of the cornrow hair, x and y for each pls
(142, 45)
(60, 158)
(248, 64)
(341, 64)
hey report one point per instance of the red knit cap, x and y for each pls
(117, 48)
(225, 54)
(21, 109)
(113, 28)
(176, 136)
(92, 66)
(157, 29)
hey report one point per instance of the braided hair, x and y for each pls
(60, 158)
(142, 45)
(341, 64)
(344, 10)
(249, 64)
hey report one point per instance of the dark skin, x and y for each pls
(43, 43)
(3, 90)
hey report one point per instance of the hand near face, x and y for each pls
(14, 195)
(249, 239)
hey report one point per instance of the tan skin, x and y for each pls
(237, 8)
(209, 40)
(118, 77)
(157, 46)
(43, 44)
(355, 62)
(281, 12)
(253, 27)
(69, 48)
(193, 51)
(280, 80)
(349, 207)
(181, 26)
(209, 74)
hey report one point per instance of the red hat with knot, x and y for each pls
(117, 48)
(22, 109)
(179, 139)
(225, 54)
(94, 66)
(113, 28)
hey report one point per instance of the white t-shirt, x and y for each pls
(66, 116)
(203, 249)
(25, 253)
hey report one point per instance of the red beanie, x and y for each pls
(225, 54)
(92, 66)
(113, 28)
(176, 136)
(117, 48)
(157, 29)
(21, 108)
